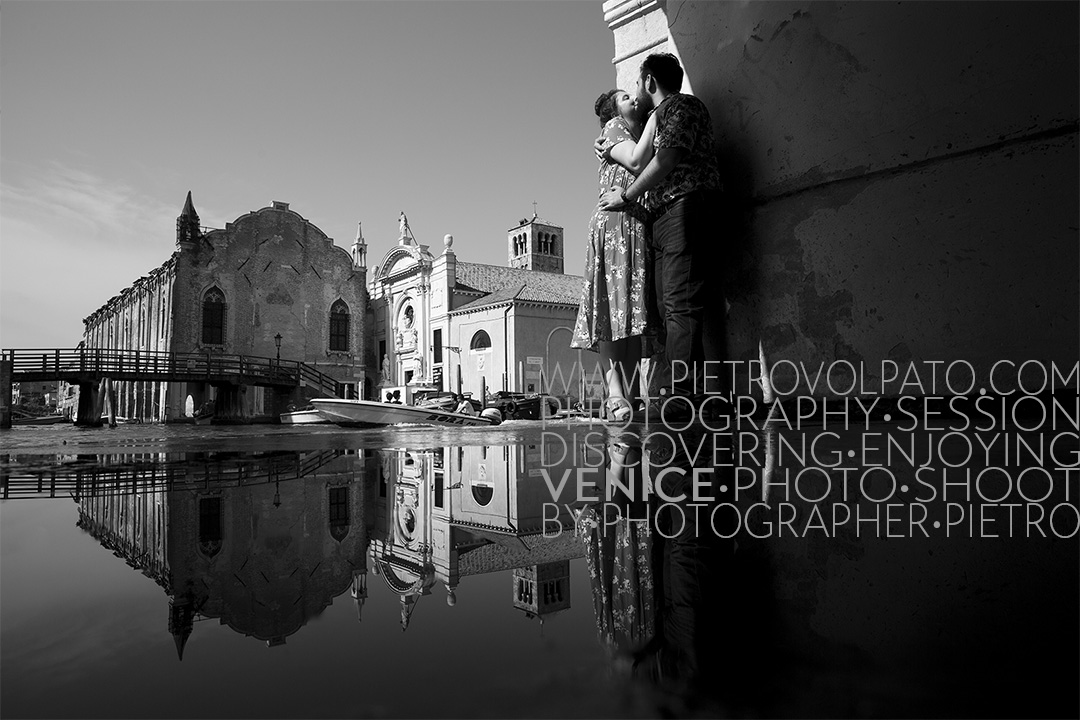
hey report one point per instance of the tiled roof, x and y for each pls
(504, 283)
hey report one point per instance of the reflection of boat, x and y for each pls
(306, 416)
(522, 406)
(368, 413)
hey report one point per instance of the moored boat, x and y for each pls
(368, 413)
(522, 406)
(306, 416)
(40, 420)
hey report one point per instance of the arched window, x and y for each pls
(480, 341)
(210, 526)
(339, 512)
(213, 317)
(482, 494)
(339, 327)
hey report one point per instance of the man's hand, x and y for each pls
(602, 148)
(611, 200)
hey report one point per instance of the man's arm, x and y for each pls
(663, 162)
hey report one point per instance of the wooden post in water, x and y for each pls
(483, 392)
(459, 379)
(110, 401)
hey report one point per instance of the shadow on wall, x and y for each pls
(891, 162)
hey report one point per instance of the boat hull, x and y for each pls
(303, 417)
(368, 413)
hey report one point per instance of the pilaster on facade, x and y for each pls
(639, 27)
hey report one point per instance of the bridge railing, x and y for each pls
(60, 364)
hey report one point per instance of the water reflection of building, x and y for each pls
(446, 514)
(263, 545)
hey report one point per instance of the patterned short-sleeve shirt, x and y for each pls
(682, 121)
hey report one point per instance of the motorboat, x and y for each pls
(40, 420)
(305, 416)
(445, 400)
(523, 406)
(369, 413)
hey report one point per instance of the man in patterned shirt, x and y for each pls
(680, 187)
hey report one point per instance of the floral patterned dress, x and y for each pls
(618, 551)
(617, 299)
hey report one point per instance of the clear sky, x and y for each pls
(461, 113)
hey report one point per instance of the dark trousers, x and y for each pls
(689, 286)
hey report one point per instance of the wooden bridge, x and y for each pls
(134, 477)
(88, 367)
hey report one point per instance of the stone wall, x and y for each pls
(279, 274)
(901, 177)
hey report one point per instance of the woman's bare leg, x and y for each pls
(620, 360)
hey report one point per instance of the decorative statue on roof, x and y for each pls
(404, 231)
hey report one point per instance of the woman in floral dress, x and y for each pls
(617, 305)
(618, 541)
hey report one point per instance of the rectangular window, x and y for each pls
(339, 332)
(440, 482)
(339, 506)
(213, 330)
(210, 520)
(382, 350)
(436, 347)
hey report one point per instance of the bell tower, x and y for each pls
(535, 244)
(187, 226)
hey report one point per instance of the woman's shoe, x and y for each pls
(617, 410)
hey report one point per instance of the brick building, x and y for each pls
(233, 291)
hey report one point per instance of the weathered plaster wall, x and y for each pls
(545, 331)
(901, 177)
(279, 274)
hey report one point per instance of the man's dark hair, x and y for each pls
(665, 68)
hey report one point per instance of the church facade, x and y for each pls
(269, 284)
(463, 326)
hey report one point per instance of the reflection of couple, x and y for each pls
(649, 248)
(653, 567)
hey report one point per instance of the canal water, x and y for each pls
(558, 569)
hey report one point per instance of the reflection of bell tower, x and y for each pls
(535, 245)
(359, 589)
(181, 621)
(542, 590)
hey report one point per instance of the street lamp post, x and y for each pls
(277, 342)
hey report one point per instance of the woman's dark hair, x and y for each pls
(605, 106)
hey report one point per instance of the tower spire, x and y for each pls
(359, 249)
(188, 226)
